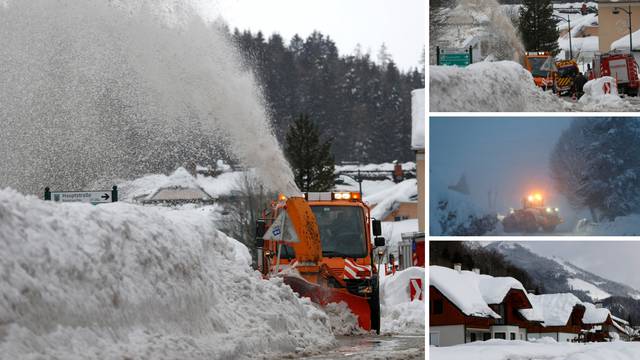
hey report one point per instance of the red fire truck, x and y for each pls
(621, 66)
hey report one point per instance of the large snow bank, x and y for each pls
(488, 86)
(123, 281)
(418, 119)
(398, 313)
(517, 349)
(594, 97)
(622, 226)
(448, 207)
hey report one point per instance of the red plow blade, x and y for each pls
(359, 306)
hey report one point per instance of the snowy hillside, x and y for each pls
(558, 275)
(124, 281)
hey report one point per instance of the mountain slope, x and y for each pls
(557, 275)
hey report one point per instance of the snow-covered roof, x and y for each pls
(623, 42)
(470, 292)
(552, 309)
(594, 315)
(180, 185)
(388, 200)
(418, 119)
(461, 288)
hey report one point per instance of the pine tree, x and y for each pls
(311, 160)
(538, 27)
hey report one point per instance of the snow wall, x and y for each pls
(488, 86)
(121, 281)
(399, 313)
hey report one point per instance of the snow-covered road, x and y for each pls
(375, 347)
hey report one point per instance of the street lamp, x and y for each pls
(616, 10)
(568, 20)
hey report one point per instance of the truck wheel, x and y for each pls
(374, 305)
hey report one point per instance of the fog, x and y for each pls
(505, 155)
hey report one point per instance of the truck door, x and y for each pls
(619, 70)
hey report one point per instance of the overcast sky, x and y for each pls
(614, 260)
(506, 155)
(400, 24)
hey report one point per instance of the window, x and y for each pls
(500, 335)
(486, 336)
(513, 336)
(434, 339)
(472, 336)
(341, 230)
(438, 307)
(501, 311)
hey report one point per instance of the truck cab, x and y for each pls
(533, 62)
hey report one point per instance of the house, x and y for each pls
(561, 316)
(466, 306)
(601, 325)
(398, 202)
(616, 22)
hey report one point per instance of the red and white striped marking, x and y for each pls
(355, 271)
(416, 289)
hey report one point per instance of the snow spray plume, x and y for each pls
(504, 42)
(94, 90)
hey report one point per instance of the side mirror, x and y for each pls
(378, 241)
(261, 228)
(377, 227)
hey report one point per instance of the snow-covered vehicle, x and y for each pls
(533, 216)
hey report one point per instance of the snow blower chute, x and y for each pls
(321, 246)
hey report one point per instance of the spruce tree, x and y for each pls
(538, 27)
(311, 160)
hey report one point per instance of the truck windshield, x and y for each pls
(536, 64)
(341, 230)
(569, 71)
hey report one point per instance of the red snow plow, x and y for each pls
(321, 246)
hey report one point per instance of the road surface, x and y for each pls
(374, 347)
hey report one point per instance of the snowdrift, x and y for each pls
(595, 98)
(488, 86)
(448, 208)
(398, 313)
(622, 226)
(122, 281)
(548, 349)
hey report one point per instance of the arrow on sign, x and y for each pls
(105, 196)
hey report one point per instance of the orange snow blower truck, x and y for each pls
(321, 245)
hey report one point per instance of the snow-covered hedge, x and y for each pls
(488, 86)
(122, 281)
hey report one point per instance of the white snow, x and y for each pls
(124, 281)
(593, 291)
(553, 309)
(488, 86)
(393, 230)
(400, 315)
(517, 349)
(342, 320)
(594, 315)
(470, 292)
(388, 200)
(418, 119)
(623, 42)
(445, 201)
(409, 165)
(221, 185)
(594, 97)
(621, 226)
